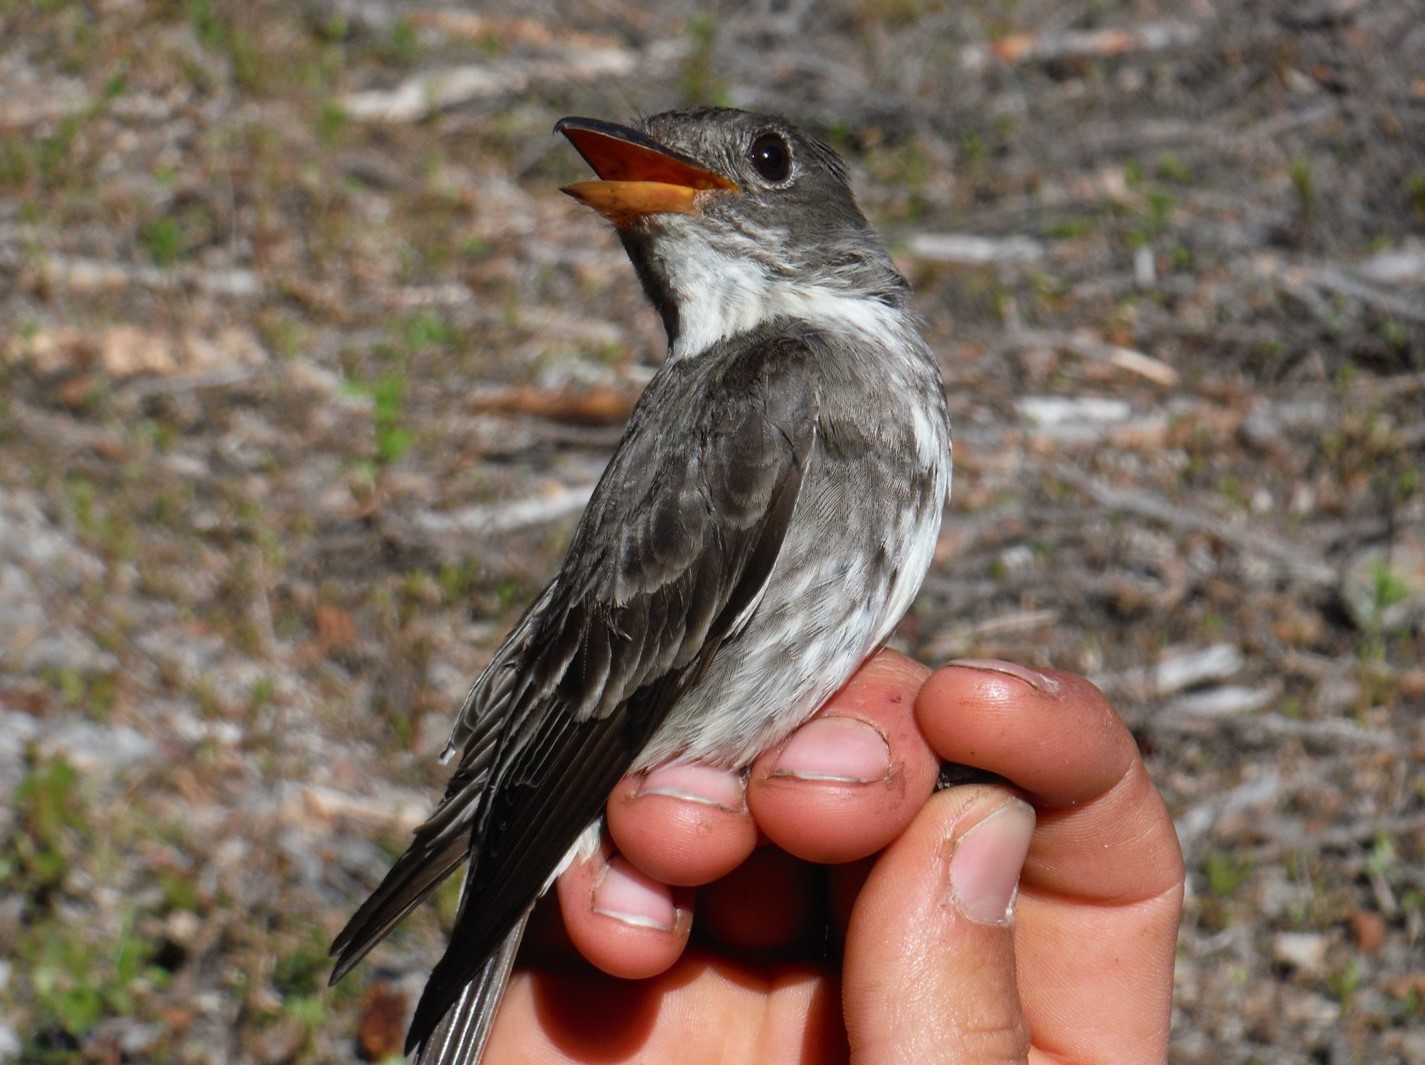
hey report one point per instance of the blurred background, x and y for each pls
(306, 369)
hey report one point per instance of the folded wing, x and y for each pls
(668, 562)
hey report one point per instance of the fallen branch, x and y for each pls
(1357, 833)
(1082, 44)
(1309, 281)
(594, 405)
(1176, 671)
(1284, 556)
(504, 517)
(974, 250)
(1093, 349)
(1203, 719)
(429, 93)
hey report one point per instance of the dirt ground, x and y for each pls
(306, 369)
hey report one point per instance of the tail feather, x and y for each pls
(410, 880)
(460, 1036)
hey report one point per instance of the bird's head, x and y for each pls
(733, 220)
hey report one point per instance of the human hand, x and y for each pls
(932, 969)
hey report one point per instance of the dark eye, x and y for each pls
(771, 156)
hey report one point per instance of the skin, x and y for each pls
(923, 964)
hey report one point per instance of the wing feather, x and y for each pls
(670, 557)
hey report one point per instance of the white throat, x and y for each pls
(719, 296)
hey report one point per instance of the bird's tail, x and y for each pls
(460, 1036)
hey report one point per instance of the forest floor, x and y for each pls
(306, 369)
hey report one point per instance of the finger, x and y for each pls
(848, 781)
(1102, 886)
(623, 921)
(929, 965)
(682, 824)
(705, 1011)
(1053, 734)
(1057, 737)
(772, 906)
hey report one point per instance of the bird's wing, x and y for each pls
(669, 560)
(443, 841)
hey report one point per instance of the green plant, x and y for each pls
(303, 970)
(1388, 587)
(403, 44)
(1415, 191)
(428, 328)
(699, 84)
(50, 826)
(77, 982)
(1304, 187)
(332, 122)
(1172, 168)
(1225, 873)
(163, 238)
(392, 438)
(74, 973)
(219, 32)
(1345, 982)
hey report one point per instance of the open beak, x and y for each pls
(638, 177)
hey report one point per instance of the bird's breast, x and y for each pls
(860, 542)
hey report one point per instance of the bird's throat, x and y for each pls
(709, 291)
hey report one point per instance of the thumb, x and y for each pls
(929, 968)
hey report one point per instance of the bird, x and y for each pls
(762, 526)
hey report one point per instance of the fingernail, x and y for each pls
(844, 750)
(696, 783)
(1038, 681)
(985, 866)
(626, 895)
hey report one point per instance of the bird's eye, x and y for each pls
(771, 156)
